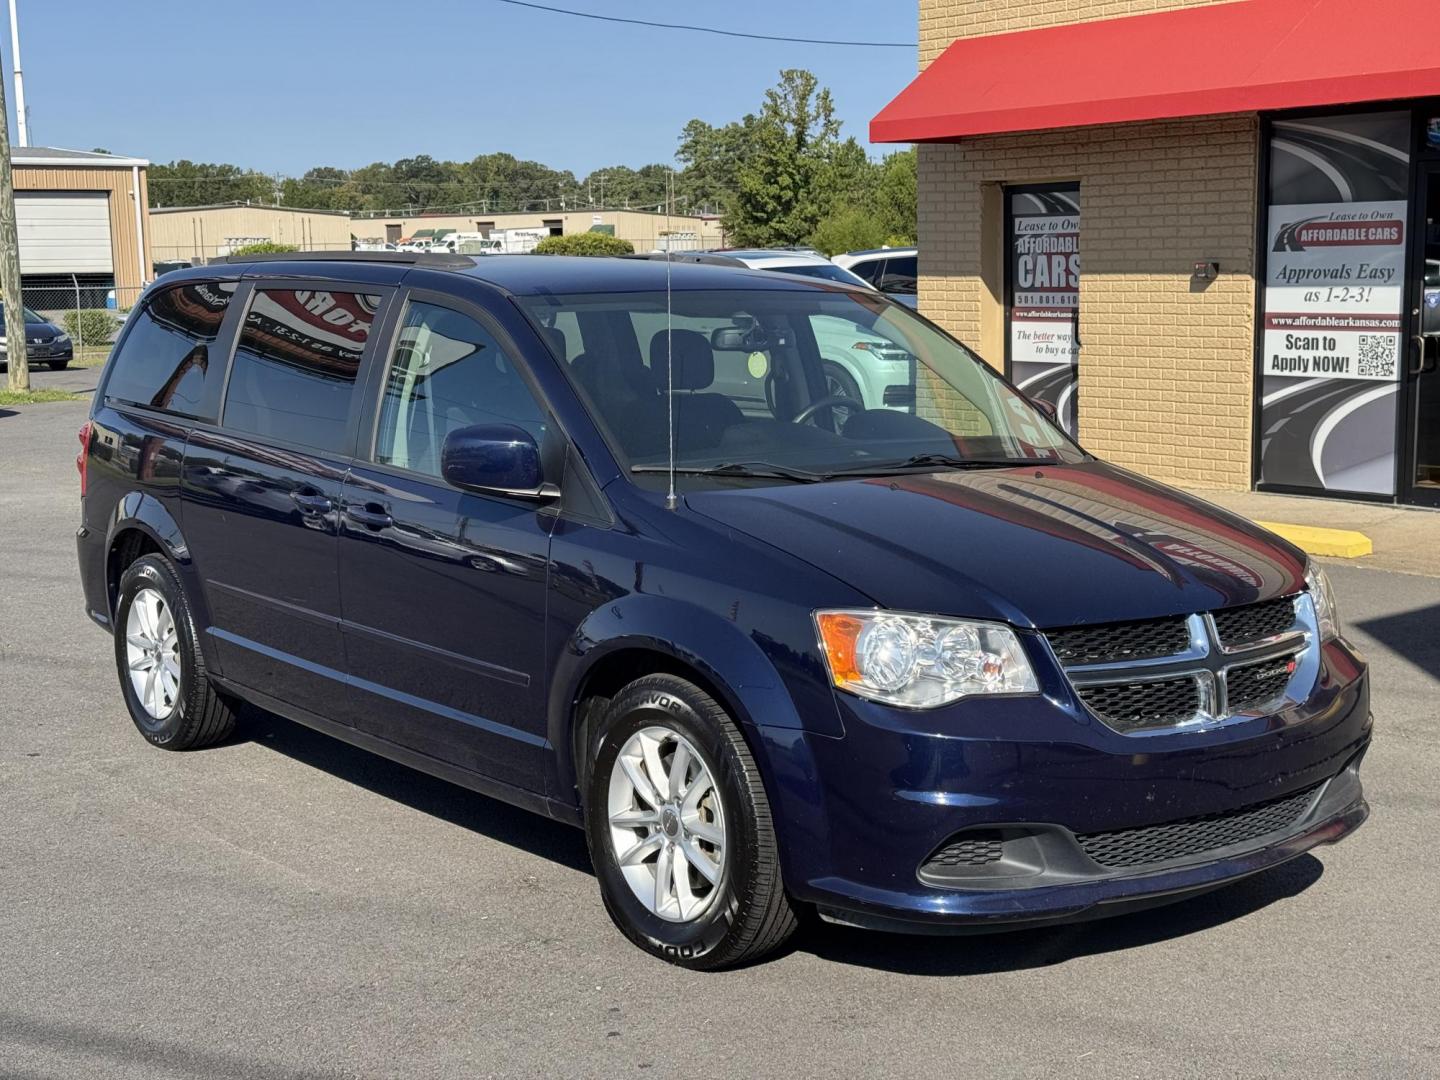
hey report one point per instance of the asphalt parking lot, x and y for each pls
(286, 906)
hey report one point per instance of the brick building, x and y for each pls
(1202, 230)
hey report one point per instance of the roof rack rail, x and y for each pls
(407, 258)
(687, 256)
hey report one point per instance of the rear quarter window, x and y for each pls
(296, 361)
(167, 359)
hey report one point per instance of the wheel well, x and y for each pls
(608, 677)
(128, 545)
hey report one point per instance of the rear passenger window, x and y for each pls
(899, 275)
(448, 372)
(293, 377)
(166, 361)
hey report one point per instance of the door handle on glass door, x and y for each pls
(371, 515)
(1417, 354)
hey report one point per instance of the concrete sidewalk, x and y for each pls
(1405, 538)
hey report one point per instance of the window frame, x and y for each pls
(380, 330)
(379, 379)
(220, 351)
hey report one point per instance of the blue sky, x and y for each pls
(281, 86)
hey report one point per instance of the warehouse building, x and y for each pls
(1217, 256)
(645, 229)
(197, 234)
(81, 221)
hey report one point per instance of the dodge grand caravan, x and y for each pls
(586, 535)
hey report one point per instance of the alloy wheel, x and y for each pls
(667, 824)
(151, 654)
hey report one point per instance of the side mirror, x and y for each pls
(1046, 407)
(495, 457)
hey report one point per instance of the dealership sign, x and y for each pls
(1335, 289)
(1335, 275)
(1044, 311)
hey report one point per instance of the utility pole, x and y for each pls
(15, 355)
(21, 120)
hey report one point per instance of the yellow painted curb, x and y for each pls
(1336, 543)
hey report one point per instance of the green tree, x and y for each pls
(785, 187)
(893, 196)
(848, 229)
(195, 183)
(711, 159)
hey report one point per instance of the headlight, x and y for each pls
(1323, 597)
(62, 339)
(921, 661)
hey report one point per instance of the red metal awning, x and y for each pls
(1231, 57)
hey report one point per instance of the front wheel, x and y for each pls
(59, 365)
(680, 830)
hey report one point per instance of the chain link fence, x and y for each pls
(89, 314)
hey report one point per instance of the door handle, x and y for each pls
(312, 504)
(371, 515)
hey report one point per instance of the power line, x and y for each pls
(711, 29)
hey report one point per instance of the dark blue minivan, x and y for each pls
(597, 537)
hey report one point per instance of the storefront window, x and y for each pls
(1043, 314)
(1334, 293)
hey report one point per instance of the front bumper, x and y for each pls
(899, 785)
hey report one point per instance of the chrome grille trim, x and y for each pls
(1208, 661)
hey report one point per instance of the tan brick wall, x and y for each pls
(1165, 368)
(942, 21)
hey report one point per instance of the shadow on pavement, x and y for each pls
(985, 954)
(1411, 635)
(96, 1047)
(957, 955)
(500, 821)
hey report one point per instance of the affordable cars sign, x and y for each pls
(1334, 294)
(1044, 310)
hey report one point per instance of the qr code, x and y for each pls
(1377, 356)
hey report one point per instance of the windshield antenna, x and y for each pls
(671, 502)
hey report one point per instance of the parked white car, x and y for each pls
(891, 270)
(882, 379)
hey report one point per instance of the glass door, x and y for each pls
(1422, 368)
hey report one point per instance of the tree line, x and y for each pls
(780, 176)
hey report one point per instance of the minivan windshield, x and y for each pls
(787, 386)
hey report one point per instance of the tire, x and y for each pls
(840, 383)
(745, 913)
(190, 714)
(59, 365)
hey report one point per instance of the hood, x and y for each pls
(1040, 546)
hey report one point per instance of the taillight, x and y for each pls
(83, 458)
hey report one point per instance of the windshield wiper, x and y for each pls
(937, 461)
(759, 469)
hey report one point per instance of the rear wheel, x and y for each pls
(680, 830)
(162, 672)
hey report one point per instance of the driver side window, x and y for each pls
(448, 372)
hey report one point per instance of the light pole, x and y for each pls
(22, 131)
(15, 356)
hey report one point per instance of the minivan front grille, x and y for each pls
(1254, 622)
(1197, 835)
(1130, 706)
(1116, 642)
(1252, 687)
(1186, 669)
